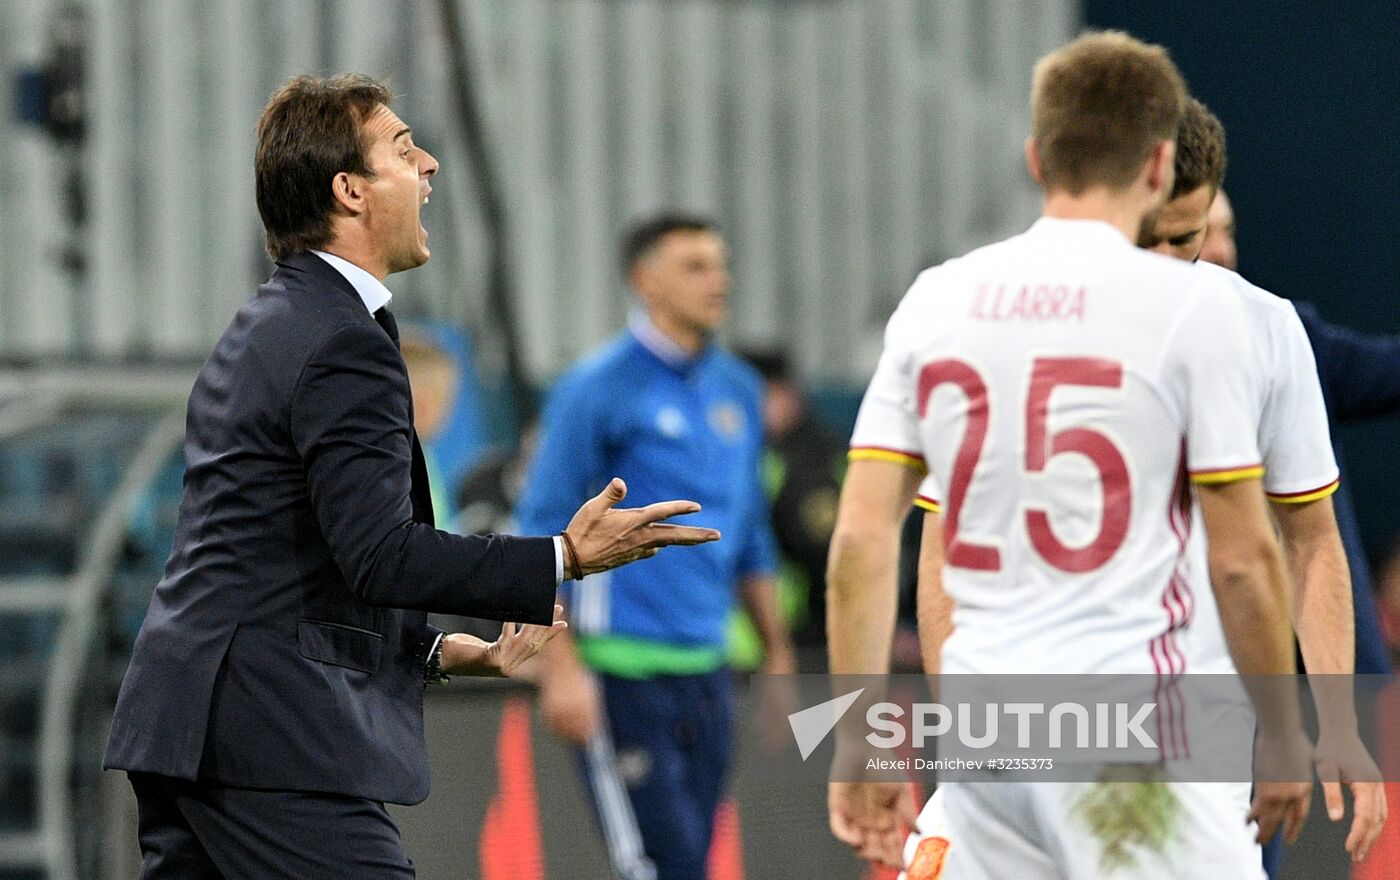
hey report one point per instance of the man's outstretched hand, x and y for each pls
(605, 538)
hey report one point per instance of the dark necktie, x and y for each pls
(386, 320)
(418, 468)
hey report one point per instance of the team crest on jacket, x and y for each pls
(670, 422)
(727, 420)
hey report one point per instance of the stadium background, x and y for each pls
(843, 145)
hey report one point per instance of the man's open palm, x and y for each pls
(604, 537)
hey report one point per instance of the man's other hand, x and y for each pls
(464, 654)
(605, 538)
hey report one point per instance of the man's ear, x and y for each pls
(640, 279)
(1033, 162)
(1161, 167)
(349, 192)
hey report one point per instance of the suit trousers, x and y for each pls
(207, 831)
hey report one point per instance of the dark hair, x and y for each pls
(645, 234)
(1099, 105)
(309, 132)
(1200, 151)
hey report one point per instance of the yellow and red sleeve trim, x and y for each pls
(1305, 496)
(1228, 475)
(926, 503)
(881, 453)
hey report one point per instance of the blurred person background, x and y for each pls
(803, 465)
(642, 686)
(841, 144)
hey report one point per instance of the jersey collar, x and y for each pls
(645, 331)
(1096, 229)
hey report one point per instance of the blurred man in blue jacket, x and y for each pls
(643, 690)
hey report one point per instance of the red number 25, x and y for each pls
(1046, 375)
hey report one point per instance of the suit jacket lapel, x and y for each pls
(419, 492)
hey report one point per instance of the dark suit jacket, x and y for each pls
(284, 646)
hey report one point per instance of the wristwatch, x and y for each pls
(432, 670)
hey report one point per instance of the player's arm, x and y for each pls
(1322, 611)
(935, 607)
(1301, 477)
(1326, 627)
(862, 600)
(1216, 370)
(1249, 578)
(862, 594)
(885, 471)
(1251, 588)
(1214, 373)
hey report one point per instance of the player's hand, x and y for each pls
(1279, 805)
(464, 654)
(606, 538)
(571, 704)
(873, 818)
(1282, 787)
(1341, 758)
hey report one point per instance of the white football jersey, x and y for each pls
(1294, 440)
(1060, 387)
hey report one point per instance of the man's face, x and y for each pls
(1179, 229)
(397, 191)
(685, 278)
(1220, 234)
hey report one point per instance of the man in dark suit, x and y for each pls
(274, 698)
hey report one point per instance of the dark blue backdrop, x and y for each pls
(1310, 96)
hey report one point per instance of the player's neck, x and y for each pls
(687, 337)
(1118, 210)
